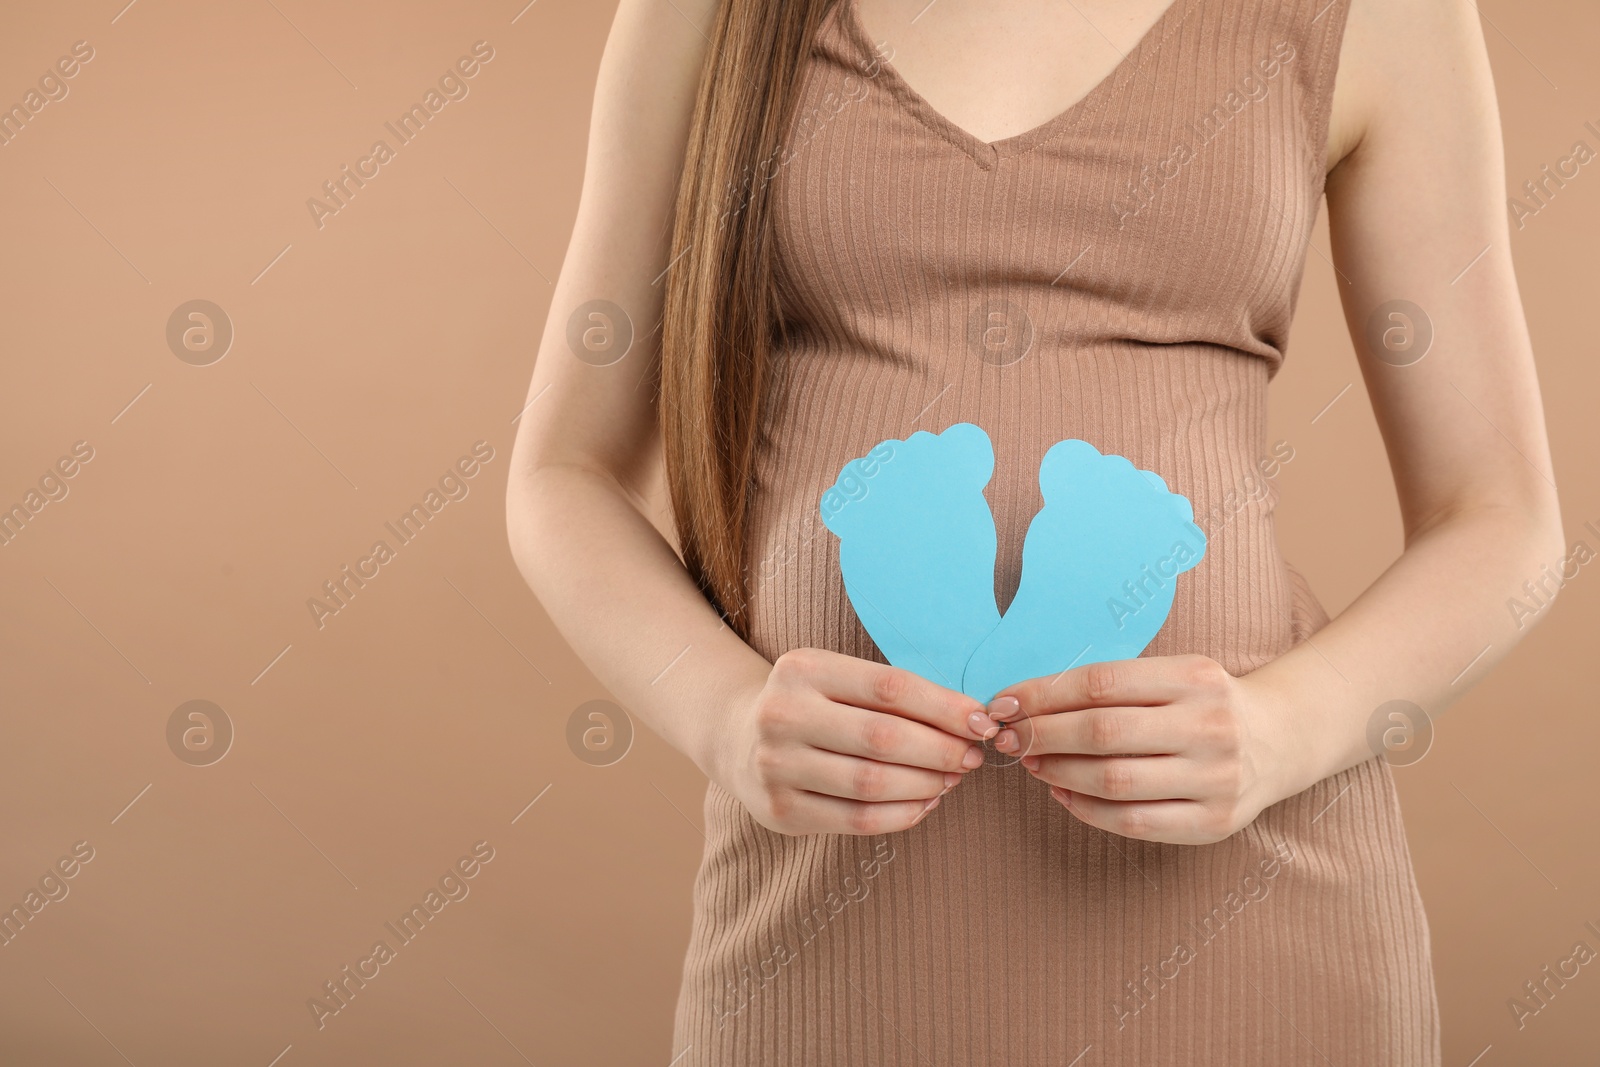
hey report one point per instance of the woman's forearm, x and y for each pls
(624, 602)
(1431, 624)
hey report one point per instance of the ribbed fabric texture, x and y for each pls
(1125, 273)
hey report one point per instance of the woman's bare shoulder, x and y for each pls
(649, 75)
(1399, 55)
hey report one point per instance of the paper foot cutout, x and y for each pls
(1099, 569)
(917, 548)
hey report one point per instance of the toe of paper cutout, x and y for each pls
(903, 471)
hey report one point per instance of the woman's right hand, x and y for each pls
(835, 744)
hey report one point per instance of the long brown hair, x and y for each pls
(719, 321)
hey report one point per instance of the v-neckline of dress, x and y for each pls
(988, 153)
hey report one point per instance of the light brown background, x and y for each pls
(430, 712)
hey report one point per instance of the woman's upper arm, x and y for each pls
(1417, 213)
(584, 412)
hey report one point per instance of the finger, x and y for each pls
(880, 687)
(1100, 732)
(813, 813)
(1176, 822)
(1136, 778)
(854, 778)
(1147, 681)
(884, 737)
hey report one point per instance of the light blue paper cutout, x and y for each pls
(1099, 569)
(917, 547)
(917, 550)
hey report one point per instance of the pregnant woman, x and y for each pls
(812, 228)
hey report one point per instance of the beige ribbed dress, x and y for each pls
(1126, 274)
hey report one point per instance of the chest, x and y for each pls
(1170, 201)
(999, 68)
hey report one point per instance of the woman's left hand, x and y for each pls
(1161, 748)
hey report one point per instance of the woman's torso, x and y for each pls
(1125, 273)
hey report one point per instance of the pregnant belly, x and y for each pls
(1240, 604)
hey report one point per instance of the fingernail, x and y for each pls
(982, 725)
(934, 803)
(973, 759)
(1004, 708)
(1006, 741)
(951, 780)
(1031, 762)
